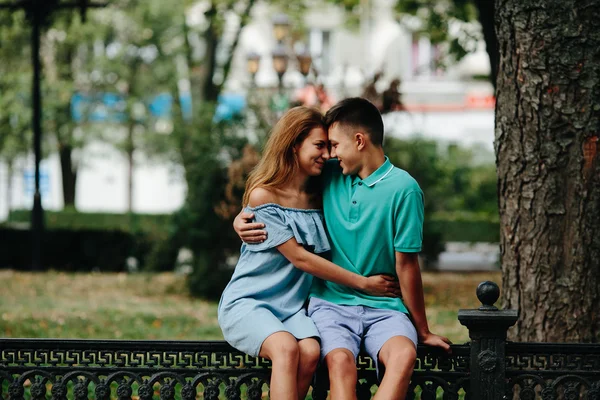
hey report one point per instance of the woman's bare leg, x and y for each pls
(283, 351)
(310, 350)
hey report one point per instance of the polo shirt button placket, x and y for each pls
(354, 211)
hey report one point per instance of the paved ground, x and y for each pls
(469, 257)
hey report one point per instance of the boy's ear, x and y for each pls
(360, 139)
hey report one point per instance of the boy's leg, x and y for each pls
(340, 328)
(341, 364)
(391, 340)
(398, 356)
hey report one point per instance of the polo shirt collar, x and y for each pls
(377, 175)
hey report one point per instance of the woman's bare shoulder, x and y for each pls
(260, 196)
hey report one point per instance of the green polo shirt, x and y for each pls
(367, 222)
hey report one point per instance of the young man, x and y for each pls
(374, 217)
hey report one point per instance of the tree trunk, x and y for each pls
(129, 150)
(485, 10)
(209, 90)
(244, 17)
(69, 175)
(547, 128)
(9, 172)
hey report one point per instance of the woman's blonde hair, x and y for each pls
(279, 163)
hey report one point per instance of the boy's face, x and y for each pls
(344, 147)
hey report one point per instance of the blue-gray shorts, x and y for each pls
(349, 327)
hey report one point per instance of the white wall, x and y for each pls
(101, 184)
(466, 128)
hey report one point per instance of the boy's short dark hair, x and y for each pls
(357, 113)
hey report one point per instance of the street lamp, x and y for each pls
(281, 27)
(280, 63)
(252, 63)
(304, 62)
(281, 55)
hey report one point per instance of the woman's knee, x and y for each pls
(281, 347)
(310, 352)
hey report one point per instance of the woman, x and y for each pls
(261, 311)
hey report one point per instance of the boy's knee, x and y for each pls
(400, 358)
(340, 361)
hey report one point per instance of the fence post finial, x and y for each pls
(487, 329)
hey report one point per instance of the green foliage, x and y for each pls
(467, 226)
(72, 219)
(15, 87)
(147, 234)
(437, 20)
(453, 181)
(206, 149)
(69, 250)
(453, 178)
(420, 159)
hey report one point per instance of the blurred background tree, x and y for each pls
(447, 22)
(451, 22)
(15, 72)
(453, 181)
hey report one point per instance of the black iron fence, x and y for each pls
(488, 367)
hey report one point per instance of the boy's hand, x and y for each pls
(249, 232)
(431, 339)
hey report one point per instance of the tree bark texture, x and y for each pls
(547, 131)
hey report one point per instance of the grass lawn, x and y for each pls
(157, 306)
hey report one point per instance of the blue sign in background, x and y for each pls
(111, 107)
(29, 182)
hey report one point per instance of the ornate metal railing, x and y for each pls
(551, 371)
(118, 369)
(436, 374)
(488, 367)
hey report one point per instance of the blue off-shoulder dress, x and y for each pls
(267, 293)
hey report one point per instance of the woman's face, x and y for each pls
(313, 152)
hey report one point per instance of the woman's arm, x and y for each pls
(377, 285)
